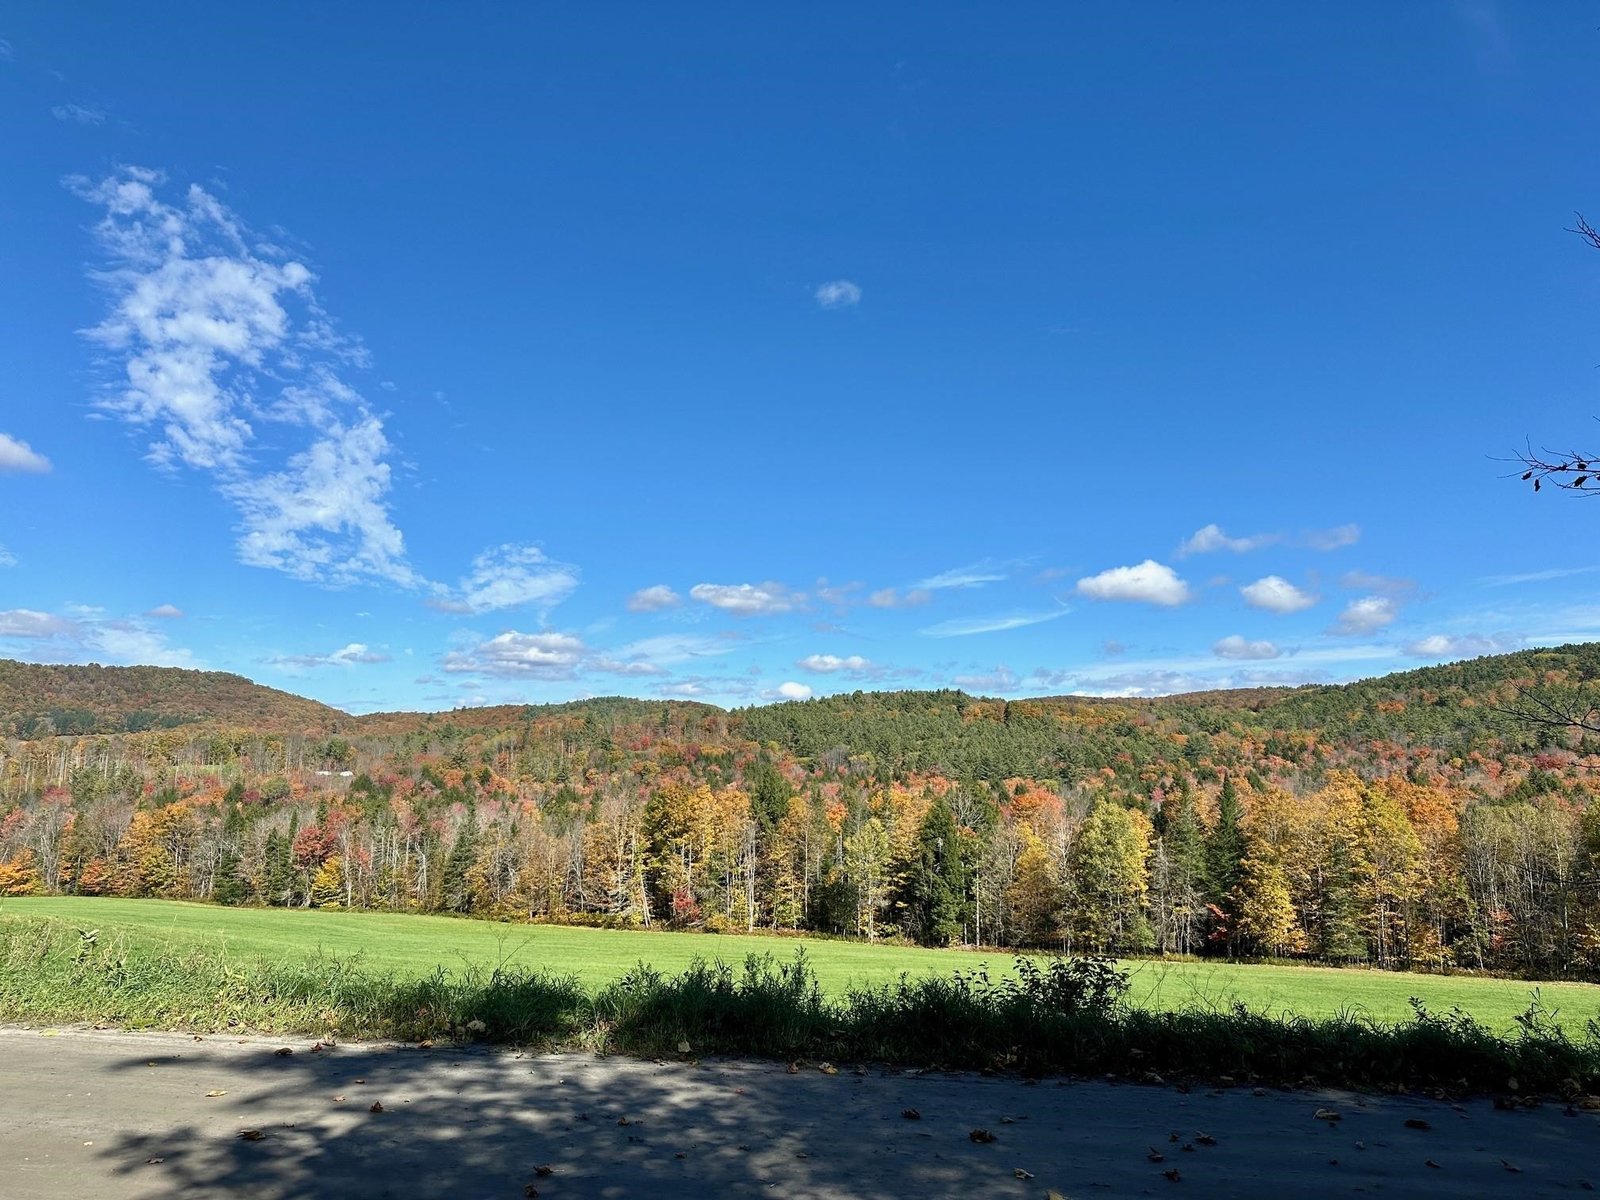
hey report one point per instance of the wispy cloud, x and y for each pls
(1336, 538)
(1544, 576)
(975, 575)
(86, 634)
(966, 626)
(1148, 582)
(1211, 538)
(165, 612)
(350, 655)
(893, 598)
(19, 457)
(79, 114)
(510, 576)
(837, 293)
(216, 332)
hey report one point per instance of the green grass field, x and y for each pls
(414, 945)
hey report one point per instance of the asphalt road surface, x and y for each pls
(88, 1115)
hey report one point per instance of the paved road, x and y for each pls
(99, 1116)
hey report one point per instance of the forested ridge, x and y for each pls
(1411, 820)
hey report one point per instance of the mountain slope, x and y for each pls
(37, 700)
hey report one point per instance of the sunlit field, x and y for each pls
(414, 945)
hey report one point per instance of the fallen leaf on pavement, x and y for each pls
(1172, 1174)
(1326, 1114)
(544, 1169)
(284, 1051)
(377, 1106)
(251, 1135)
(150, 1162)
(911, 1114)
(216, 1092)
(982, 1136)
(1417, 1123)
(1021, 1174)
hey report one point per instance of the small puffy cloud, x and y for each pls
(891, 598)
(165, 612)
(28, 623)
(1276, 594)
(1235, 646)
(790, 690)
(653, 599)
(829, 663)
(79, 114)
(748, 599)
(838, 293)
(1468, 645)
(1148, 582)
(1366, 615)
(1210, 539)
(20, 457)
(352, 654)
(1336, 538)
(514, 655)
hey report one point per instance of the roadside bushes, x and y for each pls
(1066, 1016)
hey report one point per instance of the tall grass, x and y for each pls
(1065, 1016)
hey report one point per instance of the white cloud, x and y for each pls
(1366, 615)
(1148, 582)
(1276, 594)
(965, 626)
(29, 623)
(1336, 538)
(972, 576)
(790, 690)
(165, 612)
(1235, 646)
(748, 599)
(653, 599)
(510, 576)
(20, 457)
(890, 598)
(514, 655)
(838, 293)
(7, 559)
(1469, 645)
(829, 663)
(217, 336)
(88, 636)
(352, 654)
(79, 114)
(1210, 538)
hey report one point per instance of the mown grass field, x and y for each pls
(412, 946)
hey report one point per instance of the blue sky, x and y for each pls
(528, 352)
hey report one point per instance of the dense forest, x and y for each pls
(1414, 820)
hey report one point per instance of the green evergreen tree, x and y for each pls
(1224, 860)
(456, 885)
(934, 890)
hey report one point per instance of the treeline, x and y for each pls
(1177, 829)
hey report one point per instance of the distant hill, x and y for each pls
(37, 700)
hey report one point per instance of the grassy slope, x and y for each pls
(413, 945)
